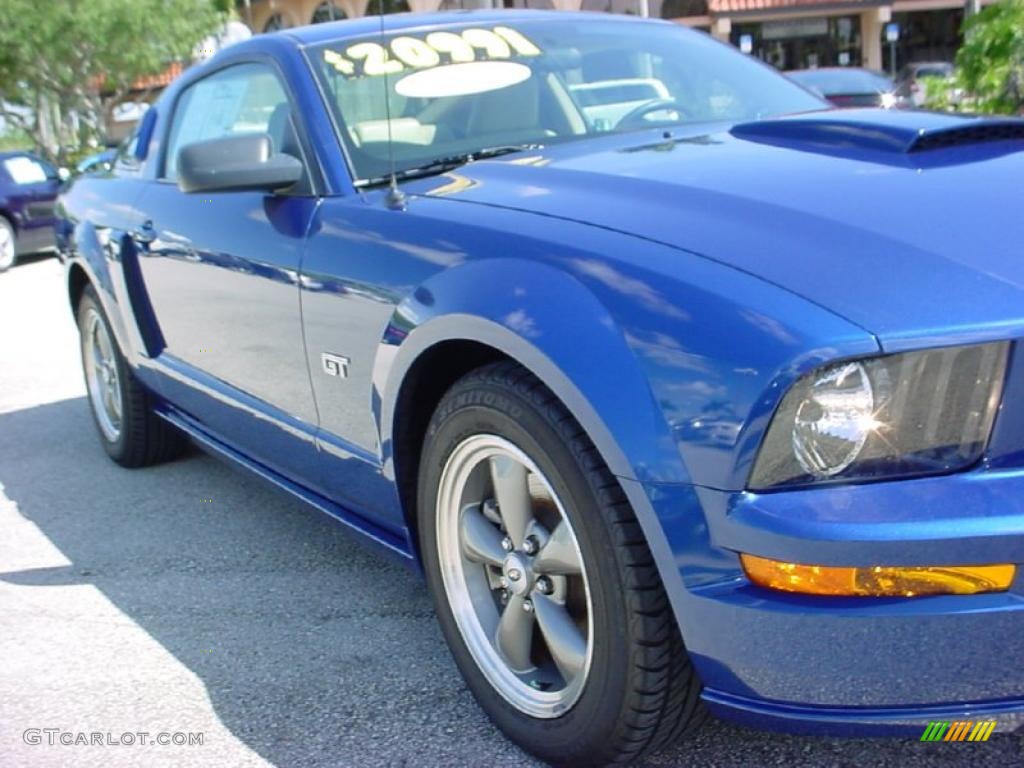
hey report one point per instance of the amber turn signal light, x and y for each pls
(878, 581)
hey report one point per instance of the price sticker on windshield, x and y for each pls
(371, 59)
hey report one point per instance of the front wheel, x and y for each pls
(543, 583)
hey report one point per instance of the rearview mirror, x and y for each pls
(236, 163)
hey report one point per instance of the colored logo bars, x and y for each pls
(961, 730)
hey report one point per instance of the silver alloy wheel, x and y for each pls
(514, 576)
(101, 375)
(8, 247)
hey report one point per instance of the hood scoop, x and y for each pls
(893, 132)
(989, 130)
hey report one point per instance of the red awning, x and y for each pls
(747, 6)
(161, 80)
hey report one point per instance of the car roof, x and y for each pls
(347, 29)
(939, 64)
(315, 34)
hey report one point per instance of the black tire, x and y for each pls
(143, 438)
(642, 692)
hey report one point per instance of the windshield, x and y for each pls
(836, 81)
(467, 89)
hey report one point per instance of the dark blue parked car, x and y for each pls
(686, 392)
(28, 189)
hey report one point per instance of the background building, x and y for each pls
(790, 34)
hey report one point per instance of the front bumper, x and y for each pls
(861, 665)
(851, 665)
(858, 721)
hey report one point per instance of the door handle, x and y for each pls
(144, 233)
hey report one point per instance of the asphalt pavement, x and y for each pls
(190, 599)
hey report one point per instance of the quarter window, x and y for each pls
(126, 158)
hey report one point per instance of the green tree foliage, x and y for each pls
(989, 64)
(942, 93)
(70, 62)
(14, 138)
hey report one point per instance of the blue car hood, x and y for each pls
(908, 224)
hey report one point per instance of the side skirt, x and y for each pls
(378, 538)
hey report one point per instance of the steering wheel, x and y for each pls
(635, 117)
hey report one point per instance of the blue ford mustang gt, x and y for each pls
(686, 392)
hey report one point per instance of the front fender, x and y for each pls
(87, 249)
(551, 324)
(97, 220)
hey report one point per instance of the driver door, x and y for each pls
(221, 272)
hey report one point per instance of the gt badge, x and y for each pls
(334, 365)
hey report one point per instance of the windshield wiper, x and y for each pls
(450, 163)
(481, 154)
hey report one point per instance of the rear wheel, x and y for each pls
(8, 245)
(130, 431)
(543, 583)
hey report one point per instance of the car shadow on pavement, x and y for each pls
(313, 650)
(25, 259)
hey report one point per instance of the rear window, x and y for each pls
(935, 71)
(834, 81)
(26, 170)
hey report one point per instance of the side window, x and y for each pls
(244, 99)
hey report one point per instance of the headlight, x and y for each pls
(834, 419)
(894, 416)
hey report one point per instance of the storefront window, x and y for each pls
(467, 5)
(681, 9)
(389, 6)
(803, 43)
(276, 22)
(536, 5)
(627, 7)
(327, 12)
(656, 9)
(925, 36)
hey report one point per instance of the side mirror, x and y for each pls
(236, 163)
(63, 174)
